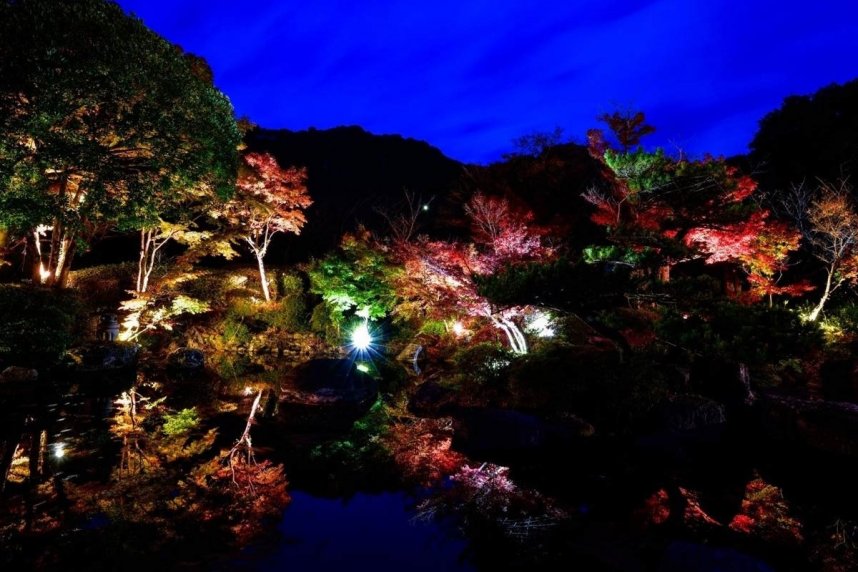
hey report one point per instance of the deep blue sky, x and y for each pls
(469, 76)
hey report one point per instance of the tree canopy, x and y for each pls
(100, 119)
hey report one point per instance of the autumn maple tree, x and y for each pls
(269, 199)
(439, 278)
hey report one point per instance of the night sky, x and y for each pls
(469, 76)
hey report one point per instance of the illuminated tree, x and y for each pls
(656, 201)
(830, 223)
(760, 245)
(359, 280)
(269, 199)
(100, 119)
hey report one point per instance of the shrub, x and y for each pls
(485, 364)
(735, 332)
(180, 423)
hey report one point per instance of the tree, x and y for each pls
(760, 245)
(358, 279)
(808, 137)
(657, 200)
(100, 120)
(269, 200)
(830, 222)
(627, 126)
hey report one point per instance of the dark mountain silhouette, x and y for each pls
(351, 174)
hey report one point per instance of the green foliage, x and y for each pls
(181, 422)
(358, 280)
(323, 324)
(751, 334)
(483, 364)
(643, 171)
(234, 332)
(560, 283)
(36, 325)
(615, 253)
(92, 102)
(434, 327)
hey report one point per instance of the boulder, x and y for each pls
(431, 399)
(839, 378)
(688, 413)
(726, 381)
(414, 356)
(16, 374)
(824, 426)
(326, 392)
(18, 384)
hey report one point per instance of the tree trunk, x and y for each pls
(814, 314)
(262, 278)
(67, 251)
(664, 273)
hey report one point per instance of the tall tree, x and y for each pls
(100, 120)
(808, 137)
(829, 220)
(269, 200)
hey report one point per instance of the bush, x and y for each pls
(36, 324)
(484, 364)
(735, 332)
(180, 423)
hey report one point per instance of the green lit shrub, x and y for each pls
(181, 422)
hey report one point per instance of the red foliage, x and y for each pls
(422, 450)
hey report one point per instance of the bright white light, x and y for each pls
(458, 328)
(44, 274)
(361, 339)
(541, 325)
(425, 207)
(248, 390)
(363, 368)
(59, 450)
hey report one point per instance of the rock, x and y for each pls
(187, 360)
(503, 433)
(326, 392)
(839, 378)
(104, 357)
(826, 426)
(19, 384)
(16, 374)
(414, 355)
(688, 413)
(727, 382)
(692, 557)
(431, 399)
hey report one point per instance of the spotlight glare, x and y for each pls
(361, 339)
(59, 450)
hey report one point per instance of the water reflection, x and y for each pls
(364, 532)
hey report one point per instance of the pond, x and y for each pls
(366, 531)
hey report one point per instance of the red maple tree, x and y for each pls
(269, 199)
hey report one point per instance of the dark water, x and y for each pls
(365, 532)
